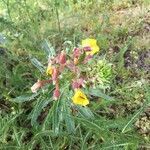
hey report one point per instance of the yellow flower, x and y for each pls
(80, 98)
(49, 70)
(92, 43)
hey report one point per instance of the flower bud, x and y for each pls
(62, 58)
(87, 48)
(55, 74)
(76, 52)
(36, 86)
(76, 84)
(39, 84)
(72, 67)
(56, 94)
(87, 58)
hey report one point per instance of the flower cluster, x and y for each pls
(57, 65)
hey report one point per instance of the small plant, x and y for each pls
(63, 67)
(100, 73)
(64, 83)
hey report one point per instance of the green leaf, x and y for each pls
(38, 109)
(56, 117)
(130, 122)
(120, 56)
(68, 46)
(68, 118)
(98, 93)
(90, 124)
(38, 65)
(24, 98)
(47, 47)
(85, 112)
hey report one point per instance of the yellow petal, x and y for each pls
(94, 50)
(49, 70)
(91, 43)
(80, 98)
(88, 42)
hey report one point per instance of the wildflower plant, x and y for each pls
(61, 64)
(61, 94)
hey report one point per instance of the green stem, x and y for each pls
(58, 23)
(58, 20)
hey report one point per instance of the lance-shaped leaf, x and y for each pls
(99, 93)
(41, 104)
(24, 98)
(47, 47)
(38, 65)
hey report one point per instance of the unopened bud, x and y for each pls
(36, 86)
(72, 67)
(55, 74)
(78, 83)
(39, 84)
(62, 58)
(87, 58)
(87, 48)
(56, 94)
(76, 52)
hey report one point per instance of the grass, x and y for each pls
(117, 117)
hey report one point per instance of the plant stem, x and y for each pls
(58, 20)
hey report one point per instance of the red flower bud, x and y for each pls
(55, 74)
(78, 83)
(56, 94)
(87, 58)
(76, 52)
(39, 84)
(87, 48)
(72, 67)
(62, 58)
(75, 85)
(36, 86)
